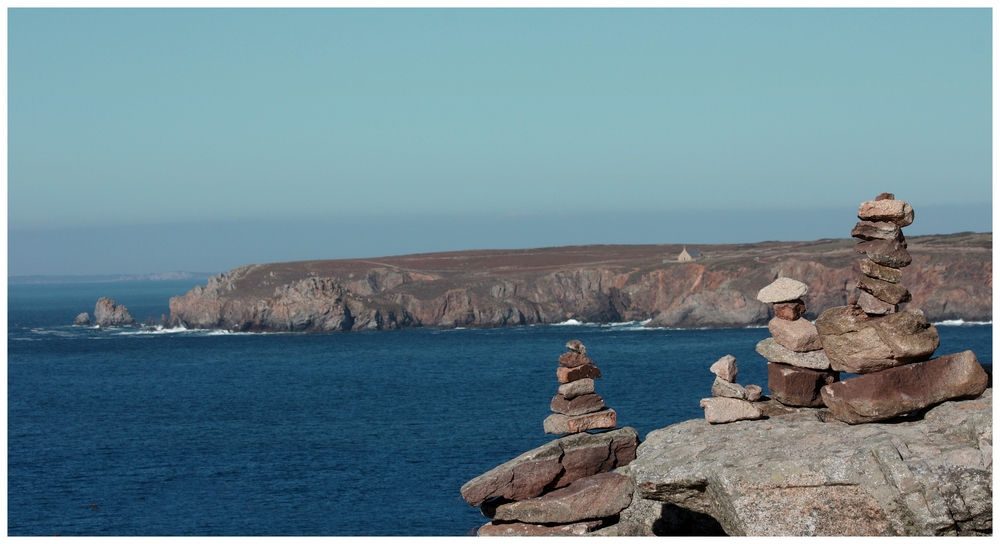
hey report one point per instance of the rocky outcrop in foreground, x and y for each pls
(950, 277)
(802, 472)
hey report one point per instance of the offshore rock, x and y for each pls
(776, 353)
(891, 253)
(563, 424)
(531, 529)
(891, 293)
(82, 320)
(576, 388)
(594, 497)
(895, 211)
(885, 273)
(554, 465)
(782, 290)
(583, 404)
(790, 310)
(794, 386)
(795, 474)
(861, 344)
(109, 314)
(567, 375)
(901, 390)
(799, 335)
(725, 368)
(726, 410)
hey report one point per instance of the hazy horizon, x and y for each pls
(150, 140)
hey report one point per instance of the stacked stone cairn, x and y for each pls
(889, 348)
(797, 367)
(577, 408)
(565, 487)
(730, 401)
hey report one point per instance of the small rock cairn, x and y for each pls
(565, 487)
(730, 401)
(577, 408)
(797, 367)
(891, 349)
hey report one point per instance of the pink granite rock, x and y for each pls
(576, 388)
(799, 335)
(753, 392)
(563, 424)
(577, 406)
(576, 346)
(891, 293)
(891, 253)
(722, 388)
(900, 390)
(782, 290)
(573, 359)
(725, 368)
(895, 211)
(790, 310)
(860, 344)
(567, 375)
(885, 273)
(724, 410)
(868, 230)
(594, 497)
(517, 528)
(776, 353)
(794, 386)
(874, 306)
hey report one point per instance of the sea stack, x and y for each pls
(890, 348)
(730, 401)
(797, 367)
(577, 407)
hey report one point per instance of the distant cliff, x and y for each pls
(951, 277)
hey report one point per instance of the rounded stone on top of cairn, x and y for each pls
(577, 408)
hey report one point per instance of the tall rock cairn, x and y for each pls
(891, 349)
(797, 368)
(730, 401)
(577, 408)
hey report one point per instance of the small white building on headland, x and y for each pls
(689, 255)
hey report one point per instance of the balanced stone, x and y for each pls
(563, 424)
(722, 388)
(577, 406)
(725, 368)
(799, 335)
(82, 320)
(896, 211)
(594, 497)
(904, 389)
(555, 464)
(754, 392)
(861, 344)
(891, 293)
(576, 388)
(890, 253)
(867, 230)
(566, 375)
(530, 529)
(874, 306)
(790, 310)
(776, 353)
(574, 359)
(794, 386)
(885, 273)
(577, 346)
(723, 410)
(782, 290)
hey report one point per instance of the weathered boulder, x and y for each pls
(726, 410)
(904, 389)
(782, 290)
(82, 320)
(896, 211)
(776, 353)
(583, 404)
(790, 310)
(109, 314)
(593, 497)
(874, 306)
(892, 293)
(554, 465)
(725, 368)
(563, 424)
(860, 344)
(722, 388)
(576, 388)
(868, 230)
(799, 335)
(795, 474)
(576, 346)
(794, 386)
(567, 375)
(885, 273)
(573, 359)
(891, 253)
(530, 529)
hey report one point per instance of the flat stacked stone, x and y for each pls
(891, 349)
(797, 367)
(730, 401)
(577, 408)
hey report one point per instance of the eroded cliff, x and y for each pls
(951, 277)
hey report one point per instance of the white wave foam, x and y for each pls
(959, 323)
(570, 322)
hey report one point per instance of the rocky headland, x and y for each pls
(950, 277)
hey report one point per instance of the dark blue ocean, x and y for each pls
(124, 432)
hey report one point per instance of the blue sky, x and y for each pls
(146, 140)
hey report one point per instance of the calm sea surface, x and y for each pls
(125, 432)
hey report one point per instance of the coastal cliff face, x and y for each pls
(951, 277)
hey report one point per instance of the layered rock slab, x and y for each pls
(903, 389)
(593, 497)
(799, 335)
(531, 529)
(553, 465)
(794, 386)
(859, 344)
(776, 353)
(565, 424)
(728, 410)
(796, 475)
